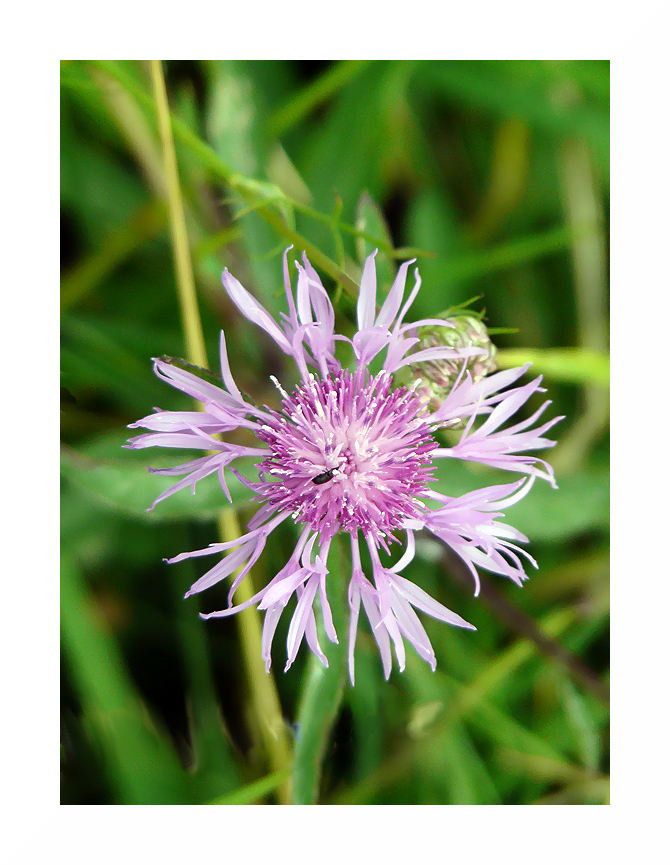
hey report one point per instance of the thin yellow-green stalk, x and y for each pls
(262, 691)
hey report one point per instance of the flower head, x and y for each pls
(348, 452)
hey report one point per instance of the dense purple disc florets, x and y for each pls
(348, 453)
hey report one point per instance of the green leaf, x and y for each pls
(119, 245)
(214, 761)
(580, 504)
(130, 488)
(583, 725)
(313, 95)
(433, 224)
(512, 253)
(140, 763)
(370, 219)
(353, 130)
(250, 794)
(235, 112)
(365, 701)
(93, 358)
(504, 88)
(456, 773)
(96, 188)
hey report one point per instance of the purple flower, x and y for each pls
(349, 452)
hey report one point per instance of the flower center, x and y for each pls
(348, 453)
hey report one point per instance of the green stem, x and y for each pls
(248, 190)
(263, 693)
(314, 94)
(271, 727)
(188, 301)
(321, 697)
(577, 365)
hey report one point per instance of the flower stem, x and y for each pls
(262, 690)
(188, 301)
(321, 698)
(245, 187)
(263, 693)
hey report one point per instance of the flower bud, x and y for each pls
(436, 377)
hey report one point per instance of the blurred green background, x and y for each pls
(496, 175)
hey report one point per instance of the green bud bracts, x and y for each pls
(435, 378)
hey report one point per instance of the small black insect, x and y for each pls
(324, 477)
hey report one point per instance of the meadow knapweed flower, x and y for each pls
(350, 453)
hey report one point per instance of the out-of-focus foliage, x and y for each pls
(495, 175)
